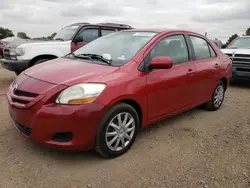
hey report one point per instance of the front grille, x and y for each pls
(25, 94)
(242, 55)
(19, 101)
(25, 130)
(23, 97)
(240, 59)
(6, 53)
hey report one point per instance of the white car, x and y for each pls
(239, 52)
(69, 39)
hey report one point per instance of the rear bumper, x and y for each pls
(15, 65)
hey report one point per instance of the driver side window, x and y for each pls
(173, 46)
(88, 35)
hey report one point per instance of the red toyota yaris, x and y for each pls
(103, 93)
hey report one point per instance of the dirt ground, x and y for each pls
(197, 149)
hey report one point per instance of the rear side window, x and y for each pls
(89, 35)
(212, 52)
(201, 48)
(107, 31)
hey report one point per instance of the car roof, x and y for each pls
(244, 37)
(107, 24)
(162, 30)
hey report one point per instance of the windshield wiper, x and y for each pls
(93, 56)
(79, 56)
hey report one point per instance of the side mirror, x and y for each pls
(161, 62)
(223, 46)
(78, 38)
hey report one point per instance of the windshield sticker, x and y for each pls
(107, 56)
(144, 34)
(121, 57)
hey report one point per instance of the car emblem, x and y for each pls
(15, 86)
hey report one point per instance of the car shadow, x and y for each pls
(240, 83)
(90, 157)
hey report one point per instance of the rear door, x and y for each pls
(170, 90)
(84, 36)
(207, 65)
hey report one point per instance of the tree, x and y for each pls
(248, 32)
(52, 36)
(4, 33)
(232, 38)
(22, 35)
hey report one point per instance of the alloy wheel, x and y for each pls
(120, 131)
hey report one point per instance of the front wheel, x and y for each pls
(18, 72)
(217, 98)
(39, 61)
(117, 131)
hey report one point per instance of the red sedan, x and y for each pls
(103, 93)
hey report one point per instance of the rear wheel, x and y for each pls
(117, 131)
(217, 98)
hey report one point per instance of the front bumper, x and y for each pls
(63, 127)
(42, 125)
(15, 65)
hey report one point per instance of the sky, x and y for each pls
(37, 18)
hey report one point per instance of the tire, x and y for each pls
(39, 61)
(219, 93)
(103, 143)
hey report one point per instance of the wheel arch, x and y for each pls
(225, 81)
(45, 56)
(135, 104)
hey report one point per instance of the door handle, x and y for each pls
(190, 71)
(217, 65)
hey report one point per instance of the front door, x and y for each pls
(84, 36)
(170, 90)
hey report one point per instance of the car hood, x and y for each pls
(238, 51)
(64, 71)
(44, 43)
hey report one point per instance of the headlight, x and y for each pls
(20, 52)
(80, 93)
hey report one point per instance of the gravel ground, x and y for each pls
(195, 149)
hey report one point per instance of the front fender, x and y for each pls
(31, 54)
(56, 49)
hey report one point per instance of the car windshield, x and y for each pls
(66, 33)
(119, 48)
(241, 43)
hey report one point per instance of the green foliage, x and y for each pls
(22, 35)
(4, 33)
(248, 32)
(232, 38)
(52, 36)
